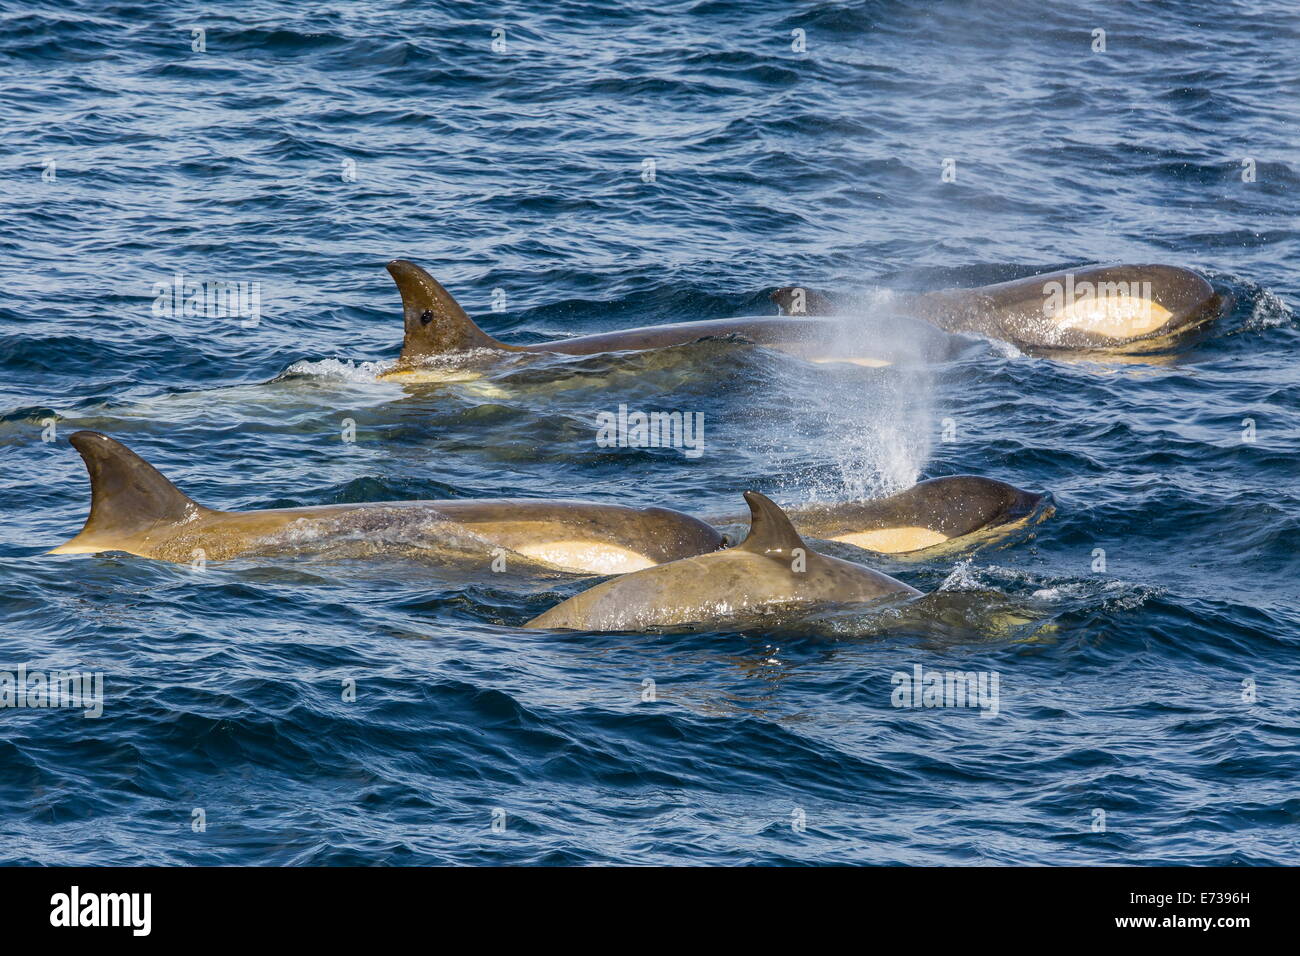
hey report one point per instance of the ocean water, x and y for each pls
(611, 166)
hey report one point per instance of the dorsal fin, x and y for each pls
(128, 496)
(770, 530)
(434, 322)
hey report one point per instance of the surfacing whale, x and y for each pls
(772, 570)
(435, 325)
(939, 514)
(1121, 308)
(135, 509)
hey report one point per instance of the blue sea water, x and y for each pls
(616, 165)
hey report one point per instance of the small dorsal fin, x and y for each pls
(434, 322)
(770, 530)
(128, 496)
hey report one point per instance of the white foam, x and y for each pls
(961, 578)
(338, 370)
(1270, 311)
(434, 372)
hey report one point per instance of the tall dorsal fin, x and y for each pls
(128, 496)
(770, 530)
(434, 322)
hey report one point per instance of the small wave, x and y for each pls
(335, 370)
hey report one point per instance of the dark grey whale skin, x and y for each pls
(823, 328)
(135, 509)
(963, 508)
(1014, 311)
(435, 325)
(772, 569)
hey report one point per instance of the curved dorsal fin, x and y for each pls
(770, 531)
(128, 496)
(434, 322)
